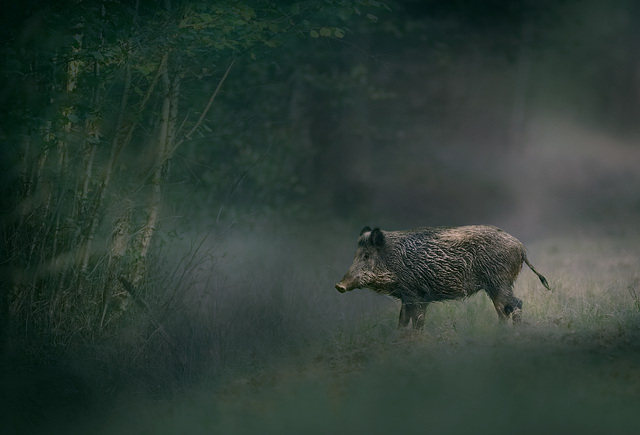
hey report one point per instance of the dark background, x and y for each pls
(139, 263)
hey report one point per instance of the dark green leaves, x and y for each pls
(327, 32)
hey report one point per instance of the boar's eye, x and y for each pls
(366, 255)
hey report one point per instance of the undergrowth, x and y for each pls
(252, 337)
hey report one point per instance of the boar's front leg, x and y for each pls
(414, 312)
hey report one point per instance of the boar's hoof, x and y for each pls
(341, 288)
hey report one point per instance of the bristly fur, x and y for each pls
(434, 264)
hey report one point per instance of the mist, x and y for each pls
(184, 183)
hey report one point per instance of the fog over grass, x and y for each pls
(238, 327)
(254, 337)
(306, 358)
(337, 363)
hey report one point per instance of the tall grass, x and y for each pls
(250, 336)
(571, 366)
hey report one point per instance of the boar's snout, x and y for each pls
(346, 284)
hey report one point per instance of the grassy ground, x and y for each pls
(574, 366)
(533, 381)
(288, 354)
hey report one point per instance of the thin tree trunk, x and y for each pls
(25, 188)
(116, 147)
(93, 131)
(88, 169)
(173, 120)
(164, 149)
(117, 249)
(74, 65)
(36, 174)
(38, 182)
(62, 173)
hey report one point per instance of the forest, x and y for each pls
(182, 183)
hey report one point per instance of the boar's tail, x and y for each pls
(543, 280)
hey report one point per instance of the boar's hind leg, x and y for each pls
(404, 319)
(414, 312)
(506, 304)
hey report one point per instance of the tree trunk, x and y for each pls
(47, 191)
(117, 249)
(93, 133)
(163, 152)
(24, 192)
(116, 148)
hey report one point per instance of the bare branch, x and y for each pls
(213, 97)
(170, 152)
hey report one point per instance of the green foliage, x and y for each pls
(275, 109)
(85, 92)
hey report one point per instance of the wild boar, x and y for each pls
(435, 264)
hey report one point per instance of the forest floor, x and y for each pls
(538, 379)
(572, 366)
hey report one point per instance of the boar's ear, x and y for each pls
(377, 238)
(364, 230)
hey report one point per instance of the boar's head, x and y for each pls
(369, 268)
